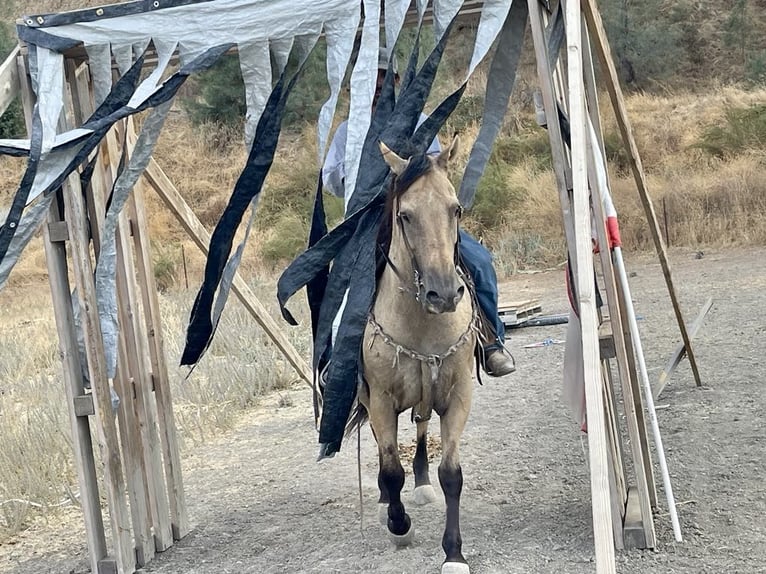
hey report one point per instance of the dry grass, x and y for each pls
(36, 469)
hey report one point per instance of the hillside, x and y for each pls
(693, 70)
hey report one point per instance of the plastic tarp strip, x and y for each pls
(500, 81)
(363, 81)
(100, 65)
(494, 14)
(396, 11)
(255, 64)
(204, 25)
(202, 324)
(339, 35)
(106, 291)
(29, 224)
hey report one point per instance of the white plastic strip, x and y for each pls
(50, 93)
(28, 226)
(493, 17)
(211, 23)
(363, 80)
(106, 293)
(339, 35)
(396, 11)
(100, 65)
(280, 49)
(444, 12)
(152, 82)
(255, 63)
(123, 56)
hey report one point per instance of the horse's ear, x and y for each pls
(396, 163)
(448, 154)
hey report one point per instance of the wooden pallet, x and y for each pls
(517, 313)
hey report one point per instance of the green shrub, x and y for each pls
(289, 240)
(743, 129)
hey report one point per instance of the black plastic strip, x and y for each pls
(104, 12)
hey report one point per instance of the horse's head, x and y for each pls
(426, 213)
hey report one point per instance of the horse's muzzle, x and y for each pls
(443, 301)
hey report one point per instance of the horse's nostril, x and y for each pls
(460, 293)
(433, 297)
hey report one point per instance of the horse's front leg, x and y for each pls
(451, 478)
(384, 420)
(424, 493)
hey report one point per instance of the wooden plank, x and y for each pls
(169, 194)
(558, 151)
(633, 529)
(620, 337)
(617, 492)
(138, 364)
(106, 430)
(9, 80)
(598, 35)
(171, 455)
(84, 462)
(146, 424)
(132, 456)
(606, 340)
(58, 277)
(586, 296)
(678, 354)
(130, 439)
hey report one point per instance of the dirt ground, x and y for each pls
(259, 502)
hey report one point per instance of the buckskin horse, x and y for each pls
(419, 343)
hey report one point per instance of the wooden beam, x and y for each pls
(597, 439)
(558, 152)
(162, 394)
(678, 354)
(598, 35)
(169, 194)
(619, 331)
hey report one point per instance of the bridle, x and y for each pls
(416, 280)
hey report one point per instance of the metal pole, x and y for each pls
(623, 277)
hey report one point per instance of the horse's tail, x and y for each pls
(359, 416)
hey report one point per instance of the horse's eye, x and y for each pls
(403, 217)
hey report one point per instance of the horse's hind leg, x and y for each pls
(451, 480)
(424, 493)
(391, 474)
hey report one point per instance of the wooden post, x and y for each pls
(596, 28)
(9, 80)
(597, 440)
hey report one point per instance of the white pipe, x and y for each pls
(623, 276)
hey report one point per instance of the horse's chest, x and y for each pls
(396, 369)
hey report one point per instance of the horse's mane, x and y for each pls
(419, 166)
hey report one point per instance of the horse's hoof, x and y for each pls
(455, 568)
(423, 494)
(383, 513)
(402, 539)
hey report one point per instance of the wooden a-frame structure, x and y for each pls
(141, 467)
